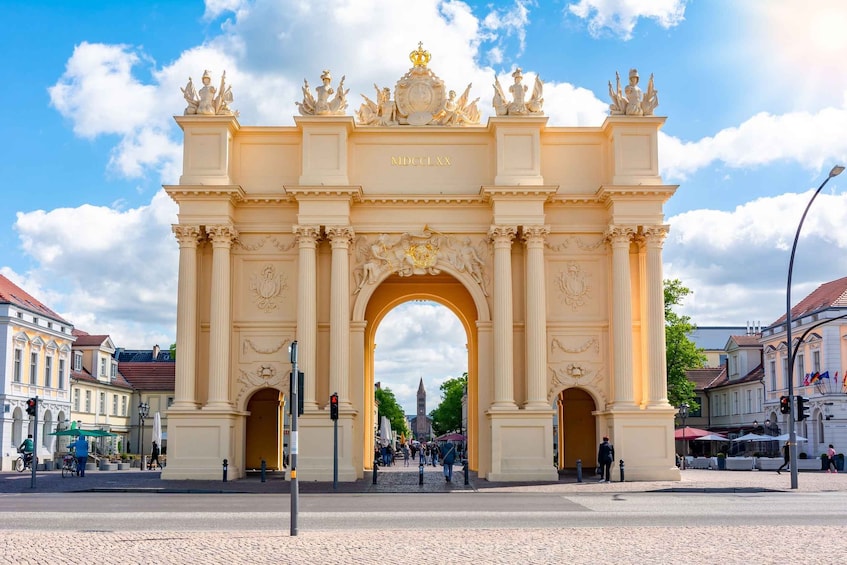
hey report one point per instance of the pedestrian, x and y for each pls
(605, 456)
(81, 453)
(448, 456)
(405, 449)
(423, 451)
(830, 454)
(154, 456)
(786, 458)
(435, 454)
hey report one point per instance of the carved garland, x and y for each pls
(265, 376)
(591, 342)
(264, 350)
(575, 374)
(573, 286)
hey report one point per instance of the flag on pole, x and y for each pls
(815, 378)
(806, 379)
(825, 375)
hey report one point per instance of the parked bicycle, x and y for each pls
(69, 466)
(23, 462)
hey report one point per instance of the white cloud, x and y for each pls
(808, 139)
(109, 271)
(620, 16)
(736, 262)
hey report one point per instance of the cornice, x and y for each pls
(428, 199)
(608, 193)
(322, 192)
(231, 122)
(180, 192)
(518, 192)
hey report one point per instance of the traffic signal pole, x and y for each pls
(34, 444)
(295, 486)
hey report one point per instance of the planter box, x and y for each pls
(768, 463)
(124, 466)
(739, 463)
(809, 464)
(107, 466)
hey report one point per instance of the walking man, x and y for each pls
(81, 453)
(786, 458)
(605, 456)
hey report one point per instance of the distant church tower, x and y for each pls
(421, 422)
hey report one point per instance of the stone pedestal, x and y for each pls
(522, 446)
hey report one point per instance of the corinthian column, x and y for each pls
(339, 319)
(186, 317)
(657, 383)
(222, 237)
(619, 238)
(504, 387)
(307, 307)
(536, 318)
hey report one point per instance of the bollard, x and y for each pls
(621, 470)
(264, 468)
(579, 470)
(375, 472)
(467, 472)
(226, 465)
(420, 473)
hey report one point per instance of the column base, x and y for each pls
(502, 406)
(315, 460)
(218, 407)
(198, 443)
(521, 446)
(538, 405)
(183, 405)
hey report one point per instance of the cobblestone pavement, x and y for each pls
(745, 544)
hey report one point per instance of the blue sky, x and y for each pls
(755, 96)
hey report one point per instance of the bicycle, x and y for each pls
(69, 466)
(22, 463)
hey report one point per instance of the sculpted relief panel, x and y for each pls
(576, 289)
(264, 290)
(426, 252)
(576, 360)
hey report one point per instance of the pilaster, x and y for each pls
(504, 392)
(536, 319)
(221, 237)
(619, 238)
(339, 331)
(186, 318)
(657, 381)
(307, 307)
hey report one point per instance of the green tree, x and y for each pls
(389, 408)
(447, 416)
(681, 353)
(172, 349)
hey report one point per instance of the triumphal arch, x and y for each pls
(545, 241)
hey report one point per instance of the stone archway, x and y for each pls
(577, 433)
(447, 291)
(265, 430)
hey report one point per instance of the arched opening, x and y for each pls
(442, 289)
(577, 429)
(265, 430)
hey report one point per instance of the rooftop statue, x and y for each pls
(519, 106)
(420, 99)
(323, 105)
(631, 101)
(208, 101)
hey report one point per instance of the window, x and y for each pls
(114, 370)
(735, 407)
(19, 360)
(749, 401)
(123, 406)
(48, 371)
(784, 372)
(691, 413)
(33, 368)
(76, 400)
(49, 325)
(816, 361)
(772, 367)
(35, 320)
(77, 361)
(20, 315)
(170, 401)
(801, 368)
(102, 368)
(88, 401)
(102, 403)
(61, 374)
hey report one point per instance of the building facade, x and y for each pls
(545, 242)
(35, 360)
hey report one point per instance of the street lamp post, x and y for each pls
(143, 411)
(792, 433)
(683, 414)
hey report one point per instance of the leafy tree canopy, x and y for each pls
(681, 353)
(389, 408)
(447, 416)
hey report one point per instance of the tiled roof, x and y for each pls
(86, 340)
(705, 377)
(149, 376)
(11, 293)
(747, 340)
(143, 356)
(755, 375)
(827, 295)
(85, 376)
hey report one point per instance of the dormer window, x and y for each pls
(77, 361)
(114, 370)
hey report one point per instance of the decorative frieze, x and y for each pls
(268, 287)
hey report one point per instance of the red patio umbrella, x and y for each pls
(689, 433)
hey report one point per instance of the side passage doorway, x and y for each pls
(265, 429)
(577, 434)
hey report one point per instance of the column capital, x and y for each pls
(619, 235)
(187, 235)
(535, 234)
(306, 234)
(655, 235)
(340, 235)
(222, 235)
(502, 234)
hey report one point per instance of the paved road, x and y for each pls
(711, 517)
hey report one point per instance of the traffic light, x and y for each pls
(802, 409)
(784, 405)
(333, 406)
(300, 385)
(31, 406)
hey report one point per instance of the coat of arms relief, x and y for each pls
(426, 252)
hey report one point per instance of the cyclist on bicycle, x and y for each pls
(26, 448)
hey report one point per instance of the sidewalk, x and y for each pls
(399, 479)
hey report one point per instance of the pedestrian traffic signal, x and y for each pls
(333, 406)
(31, 406)
(301, 383)
(802, 409)
(784, 405)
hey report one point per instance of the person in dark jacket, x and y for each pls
(448, 456)
(786, 458)
(605, 456)
(154, 457)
